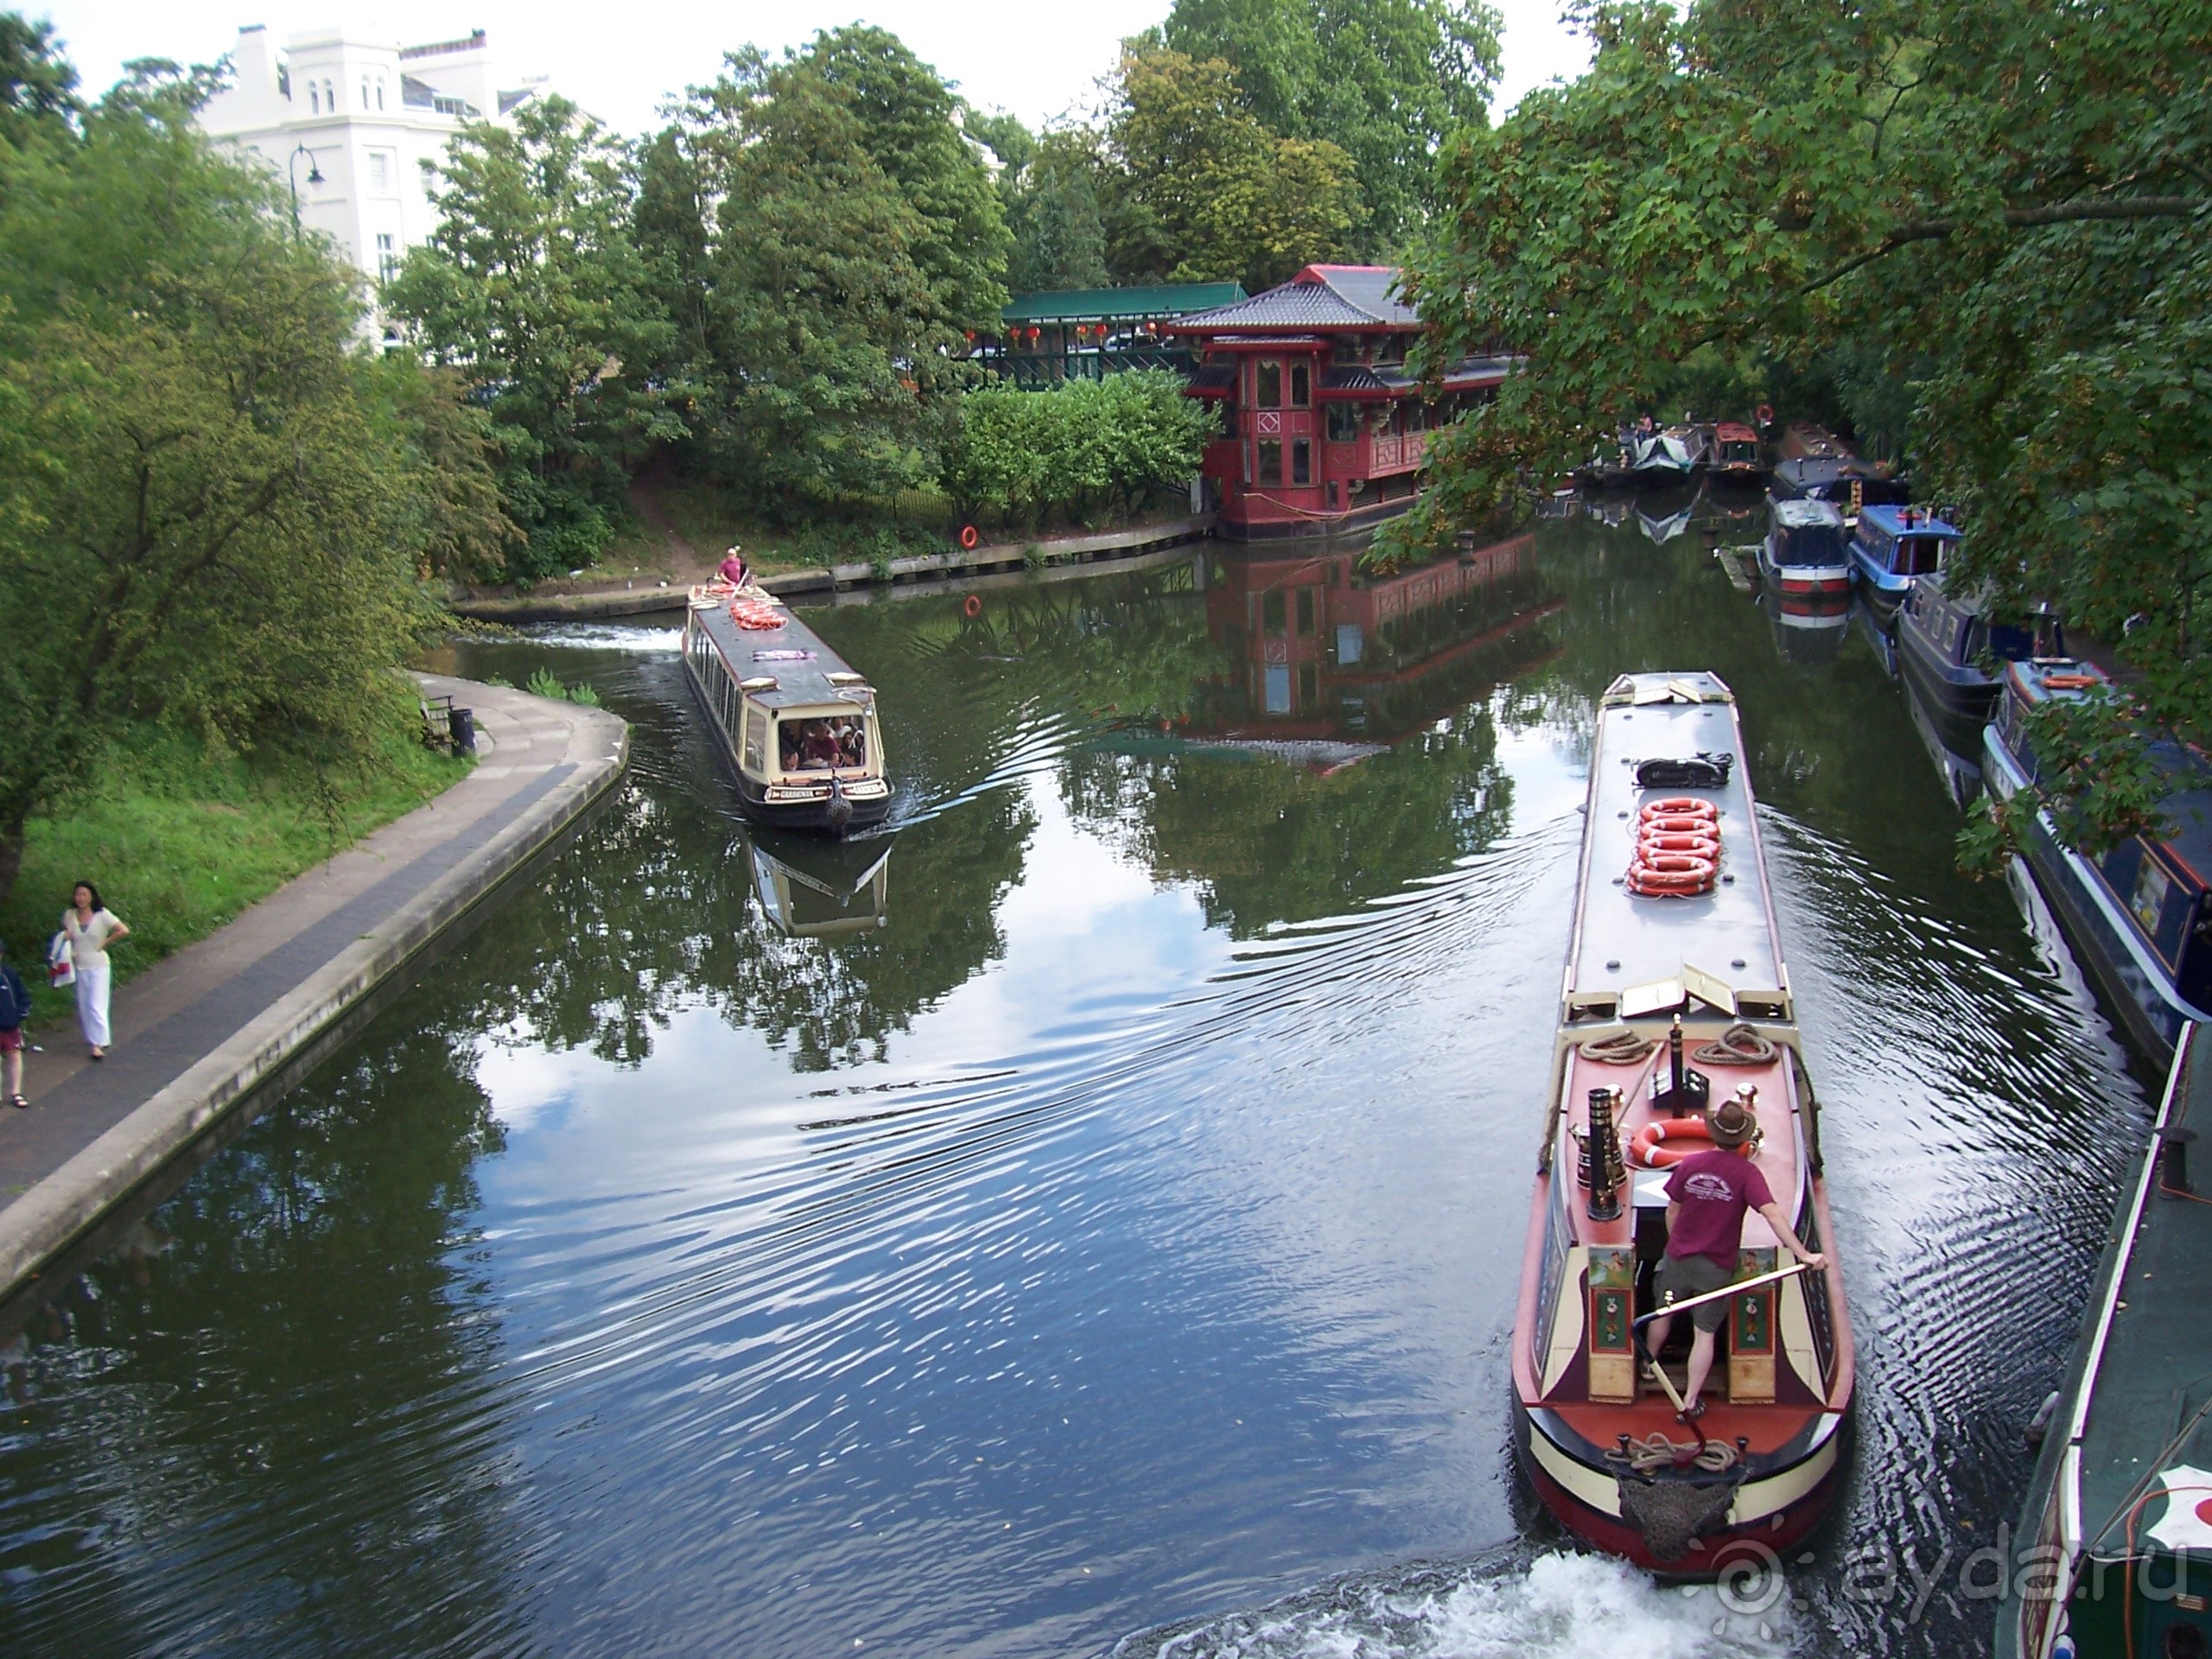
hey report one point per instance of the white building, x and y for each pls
(358, 127)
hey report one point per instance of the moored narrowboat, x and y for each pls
(1893, 546)
(2140, 918)
(1805, 555)
(1734, 455)
(1676, 994)
(1844, 480)
(797, 726)
(2113, 1554)
(1941, 641)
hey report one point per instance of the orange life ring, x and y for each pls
(1670, 875)
(2069, 682)
(973, 607)
(1678, 841)
(1649, 1150)
(1679, 824)
(1677, 806)
(968, 537)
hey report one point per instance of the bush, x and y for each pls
(1077, 449)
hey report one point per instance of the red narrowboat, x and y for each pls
(1676, 996)
(1324, 430)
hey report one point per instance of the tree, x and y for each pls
(533, 287)
(208, 515)
(2003, 208)
(1384, 80)
(1206, 192)
(1078, 449)
(1048, 192)
(38, 86)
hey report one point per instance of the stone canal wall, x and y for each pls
(196, 1032)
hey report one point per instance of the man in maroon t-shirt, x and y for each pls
(1708, 1196)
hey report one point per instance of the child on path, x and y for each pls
(91, 927)
(15, 1009)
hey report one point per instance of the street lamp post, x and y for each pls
(292, 174)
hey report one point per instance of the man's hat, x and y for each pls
(1731, 1123)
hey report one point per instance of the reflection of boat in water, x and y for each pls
(1960, 768)
(1942, 642)
(1663, 531)
(813, 891)
(2140, 918)
(1657, 987)
(2119, 1511)
(1330, 666)
(795, 723)
(1808, 632)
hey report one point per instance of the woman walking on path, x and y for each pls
(15, 1009)
(90, 928)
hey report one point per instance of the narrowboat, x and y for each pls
(1844, 480)
(1668, 456)
(1943, 640)
(1892, 546)
(1734, 456)
(1804, 555)
(798, 726)
(2140, 918)
(1676, 1003)
(2114, 1555)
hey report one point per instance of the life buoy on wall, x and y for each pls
(973, 607)
(969, 537)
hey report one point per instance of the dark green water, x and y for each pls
(1123, 1234)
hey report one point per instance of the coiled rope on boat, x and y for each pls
(1622, 1048)
(1737, 1045)
(1656, 1451)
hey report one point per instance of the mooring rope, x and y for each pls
(1739, 1045)
(1655, 1451)
(1622, 1048)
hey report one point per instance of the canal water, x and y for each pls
(1085, 1217)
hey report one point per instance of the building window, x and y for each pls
(1268, 393)
(379, 173)
(364, 92)
(1305, 613)
(1301, 460)
(379, 92)
(1272, 620)
(1301, 384)
(1333, 500)
(314, 98)
(1344, 423)
(1228, 417)
(1270, 460)
(387, 257)
(330, 98)
(1309, 684)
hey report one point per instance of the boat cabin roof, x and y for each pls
(1806, 514)
(806, 673)
(1894, 520)
(1627, 949)
(1734, 432)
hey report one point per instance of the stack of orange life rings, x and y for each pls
(1677, 849)
(758, 613)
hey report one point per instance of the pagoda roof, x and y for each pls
(1319, 297)
(1114, 305)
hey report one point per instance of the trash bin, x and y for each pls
(461, 722)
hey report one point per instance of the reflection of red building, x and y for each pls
(1323, 657)
(1324, 431)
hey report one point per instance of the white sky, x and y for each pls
(621, 61)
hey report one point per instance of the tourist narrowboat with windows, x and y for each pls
(1734, 455)
(1676, 995)
(1805, 555)
(798, 726)
(1942, 641)
(2140, 918)
(1323, 428)
(1892, 546)
(2114, 1555)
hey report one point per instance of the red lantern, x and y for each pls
(1035, 333)
(971, 336)
(1013, 333)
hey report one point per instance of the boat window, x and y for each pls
(1270, 460)
(1301, 460)
(1305, 613)
(1301, 384)
(1268, 378)
(756, 739)
(1344, 423)
(1271, 612)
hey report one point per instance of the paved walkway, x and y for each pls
(193, 1034)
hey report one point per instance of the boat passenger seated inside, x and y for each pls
(821, 745)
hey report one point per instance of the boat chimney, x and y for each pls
(1607, 1175)
(1674, 1056)
(1687, 1091)
(2173, 1163)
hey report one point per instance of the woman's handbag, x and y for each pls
(61, 964)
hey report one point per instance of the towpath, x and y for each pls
(195, 1032)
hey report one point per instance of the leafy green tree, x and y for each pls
(38, 86)
(1048, 191)
(1079, 448)
(2003, 207)
(1206, 192)
(1384, 80)
(532, 285)
(212, 516)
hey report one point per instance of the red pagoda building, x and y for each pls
(1324, 432)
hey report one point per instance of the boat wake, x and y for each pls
(1506, 1606)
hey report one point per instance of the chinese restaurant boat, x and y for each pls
(2113, 1558)
(1804, 555)
(796, 724)
(1891, 547)
(2140, 918)
(1676, 996)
